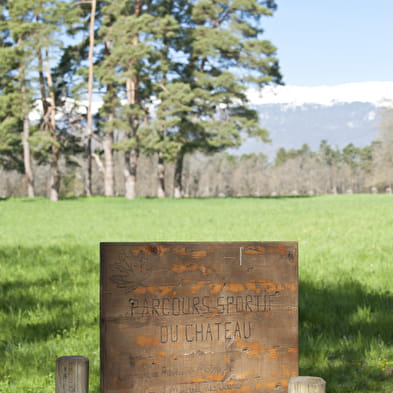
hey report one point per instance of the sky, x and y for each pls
(331, 42)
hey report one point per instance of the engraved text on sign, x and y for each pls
(198, 317)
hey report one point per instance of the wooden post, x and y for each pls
(306, 385)
(72, 374)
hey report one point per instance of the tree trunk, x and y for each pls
(45, 105)
(26, 135)
(333, 177)
(109, 176)
(27, 157)
(160, 177)
(54, 165)
(89, 167)
(89, 126)
(55, 175)
(131, 156)
(109, 181)
(130, 165)
(178, 184)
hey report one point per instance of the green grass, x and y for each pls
(49, 277)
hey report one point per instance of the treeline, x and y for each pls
(293, 172)
(170, 75)
(329, 170)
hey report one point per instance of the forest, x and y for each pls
(144, 98)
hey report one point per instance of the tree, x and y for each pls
(89, 127)
(331, 157)
(78, 72)
(283, 155)
(134, 33)
(109, 111)
(15, 101)
(33, 28)
(78, 58)
(51, 18)
(203, 104)
(157, 131)
(107, 122)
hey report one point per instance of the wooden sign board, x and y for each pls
(198, 317)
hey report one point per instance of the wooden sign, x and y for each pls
(198, 317)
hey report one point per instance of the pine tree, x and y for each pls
(77, 73)
(125, 58)
(108, 114)
(135, 33)
(16, 96)
(174, 17)
(51, 19)
(33, 28)
(91, 52)
(11, 123)
(89, 127)
(204, 106)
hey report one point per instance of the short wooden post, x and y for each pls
(306, 385)
(72, 374)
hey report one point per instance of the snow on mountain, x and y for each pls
(377, 93)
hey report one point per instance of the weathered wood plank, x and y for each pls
(306, 385)
(72, 374)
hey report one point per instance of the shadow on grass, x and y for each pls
(23, 310)
(345, 331)
(39, 297)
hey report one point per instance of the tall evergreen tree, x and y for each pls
(89, 127)
(52, 18)
(108, 114)
(11, 122)
(76, 71)
(174, 16)
(135, 34)
(17, 62)
(33, 28)
(221, 54)
(92, 51)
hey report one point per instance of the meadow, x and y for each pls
(49, 277)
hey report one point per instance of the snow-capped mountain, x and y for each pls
(377, 93)
(340, 114)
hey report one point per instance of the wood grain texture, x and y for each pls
(72, 374)
(306, 385)
(198, 317)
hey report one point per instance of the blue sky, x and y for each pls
(330, 42)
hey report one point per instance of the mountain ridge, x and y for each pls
(295, 115)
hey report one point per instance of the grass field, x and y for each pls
(49, 277)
